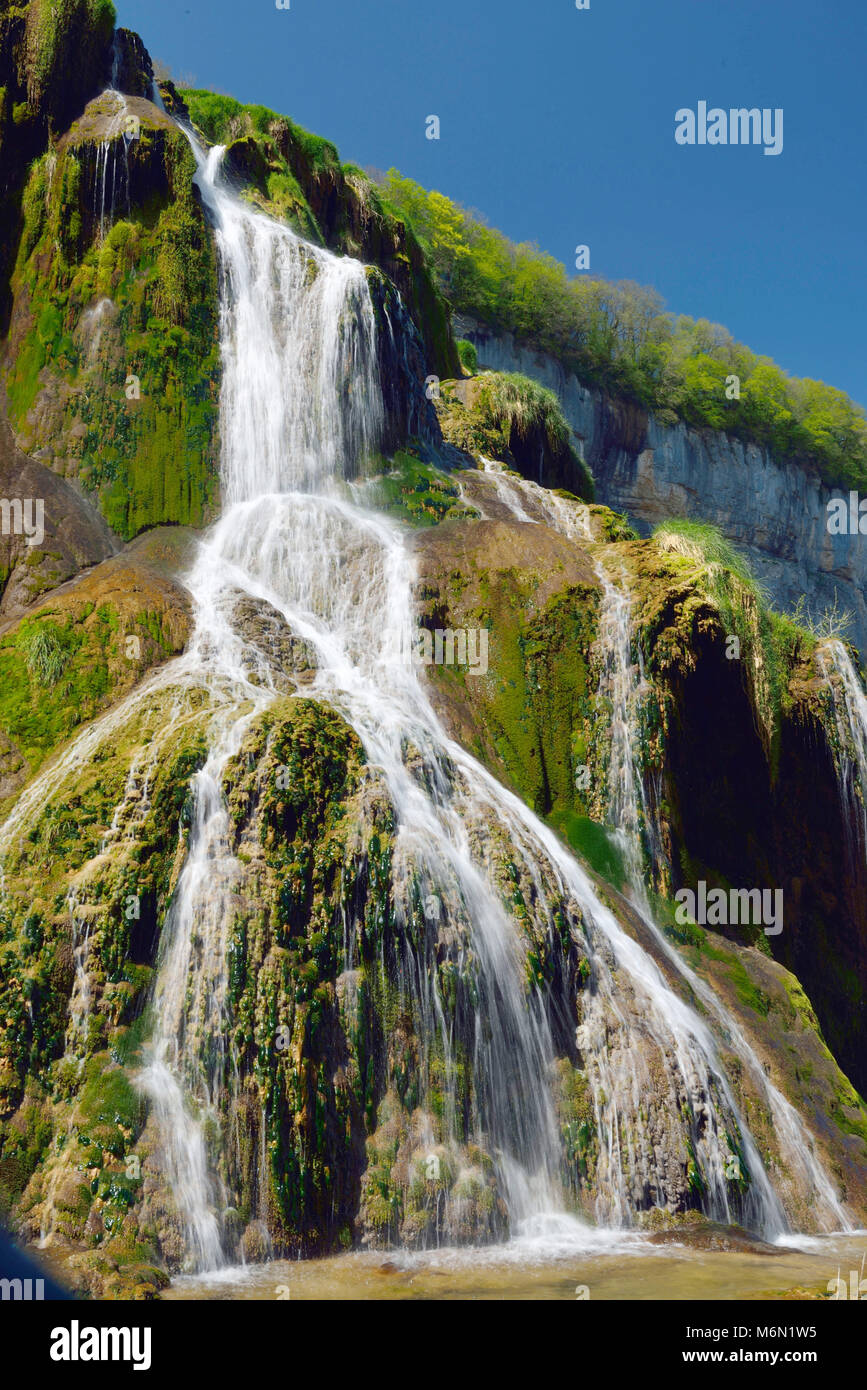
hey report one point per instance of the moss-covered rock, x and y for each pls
(54, 56)
(113, 344)
(80, 651)
(508, 417)
(537, 596)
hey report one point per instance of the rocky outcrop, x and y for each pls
(112, 354)
(132, 70)
(512, 419)
(776, 512)
(75, 535)
(53, 58)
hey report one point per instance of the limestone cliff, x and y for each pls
(775, 511)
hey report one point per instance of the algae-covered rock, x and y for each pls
(78, 652)
(536, 595)
(113, 342)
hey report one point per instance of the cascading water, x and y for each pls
(301, 409)
(850, 713)
(622, 687)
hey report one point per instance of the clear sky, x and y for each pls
(558, 124)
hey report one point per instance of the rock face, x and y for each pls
(75, 536)
(112, 351)
(53, 58)
(651, 470)
(346, 1109)
(132, 68)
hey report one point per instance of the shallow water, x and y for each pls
(617, 1266)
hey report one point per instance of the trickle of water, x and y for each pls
(80, 999)
(637, 833)
(112, 157)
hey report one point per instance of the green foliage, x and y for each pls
(771, 643)
(619, 336)
(47, 650)
(419, 493)
(468, 355)
(517, 402)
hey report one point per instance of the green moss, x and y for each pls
(594, 843)
(151, 459)
(418, 493)
(57, 672)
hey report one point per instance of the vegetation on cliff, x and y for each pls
(620, 337)
(510, 418)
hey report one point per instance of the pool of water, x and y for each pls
(715, 1264)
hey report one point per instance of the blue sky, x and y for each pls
(558, 125)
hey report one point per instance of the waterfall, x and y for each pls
(849, 705)
(622, 685)
(80, 999)
(301, 413)
(300, 410)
